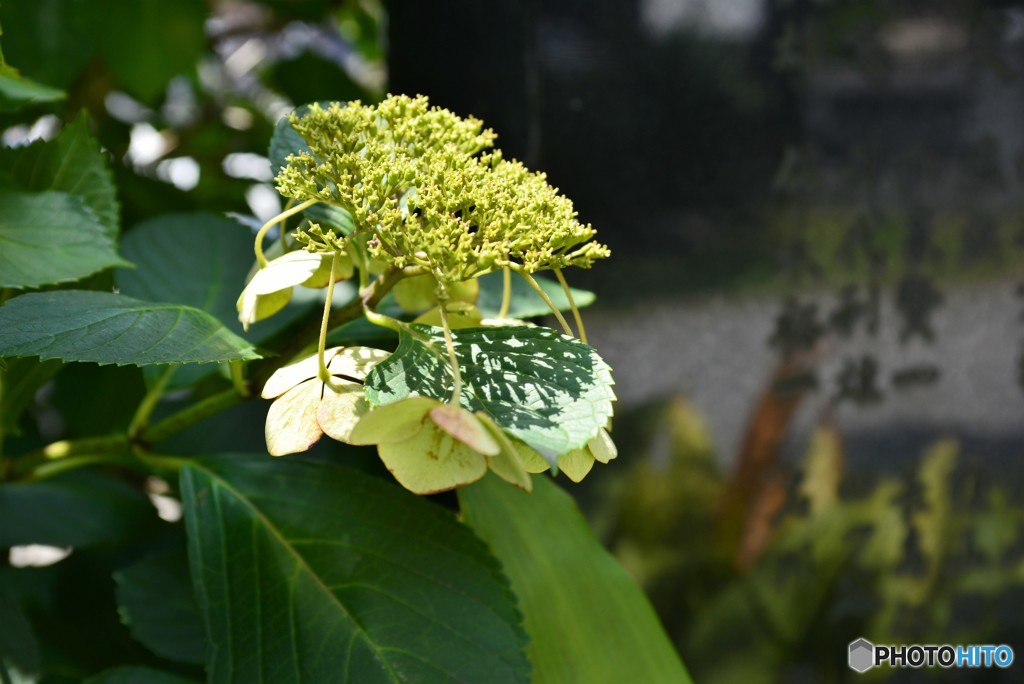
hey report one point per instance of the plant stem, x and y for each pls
(262, 233)
(506, 295)
(149, 402)
(237, 369)
(547, 300)
(93, 447)
(322, 372)
(453, 360)
(572, 304)
(190, 415)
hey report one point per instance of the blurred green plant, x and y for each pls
(929, 558)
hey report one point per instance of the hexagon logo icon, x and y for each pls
(862, 655)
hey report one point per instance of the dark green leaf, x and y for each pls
(18, 385)
(145, 43)
(16, 91)
(551, 391)
(71, 163)
(19, 651)
(75, 509)
(77, 325)
(137, 675)
(314, 572)
(50, 237)
(588, 621)
(157, 605)
(200, 260)
(49, 40)
(525, 303)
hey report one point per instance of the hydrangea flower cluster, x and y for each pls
(425, 187)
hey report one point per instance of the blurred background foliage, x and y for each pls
(814, 308)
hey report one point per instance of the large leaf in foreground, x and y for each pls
(77, 325)
(588, 621)
(50, 237)
(551, 391)
(314, 572)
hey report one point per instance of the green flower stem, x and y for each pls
(547, 300)
(190, 415)
(572, 304)
(51, 468)
(237, 369)
(506, 294)
(262, 233)
(96, 448)
(149, 402)
(453, 360)
(322, 372)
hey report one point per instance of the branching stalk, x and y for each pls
(506, 294)
(149, 402)
(262, 233)
(547, 300)
(323, 373)
(572, 304)
(453, 360)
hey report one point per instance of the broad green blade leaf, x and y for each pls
(137, 675)
(525, 303)
(155, 599)
(71, 163)
(587, 620)
(76, 509)
(16, 91)
(101, 327)
(197, 259)
(171, 268)
(551, 391)
(50, 237)
(19, 650)
(314, 572)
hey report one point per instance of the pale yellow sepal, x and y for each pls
(292, 425)
(392, 422)
(341, 407)
(506, 464)
(355, 362)
(432, 461)
(269, 290)
(465, 427)
(322, 276)
(602, 447)
(531, 459)
(576, 464)
(290, 375)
